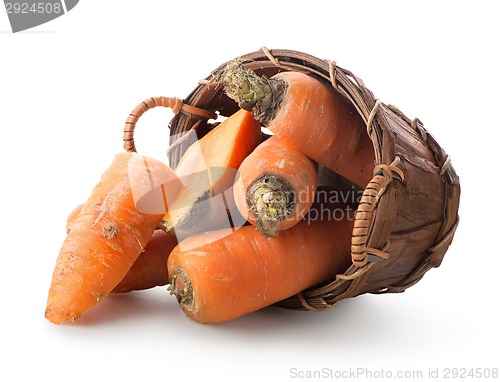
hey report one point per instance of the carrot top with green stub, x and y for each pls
(259, 95)
(275, 186)
(307, 114)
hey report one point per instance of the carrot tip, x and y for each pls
(58, 317)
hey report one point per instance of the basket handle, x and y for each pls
(383, 175)
(174, 103)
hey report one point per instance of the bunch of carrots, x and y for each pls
(228, 229)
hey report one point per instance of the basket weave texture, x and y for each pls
(412, 200)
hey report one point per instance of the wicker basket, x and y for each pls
(412, 201)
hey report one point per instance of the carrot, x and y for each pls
(275, 187)
(150, 268)
(307, 114)
(207, 169)
(243, 271)
(109, 234)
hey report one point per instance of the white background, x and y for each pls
(66, 88)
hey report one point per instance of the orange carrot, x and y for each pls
(150, 268)
(243, 271)
(109, 234)
(307, 114)
(275, 187)
(208, 169)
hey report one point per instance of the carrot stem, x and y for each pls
(259, 95)
(182, 288)
(271, 199)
